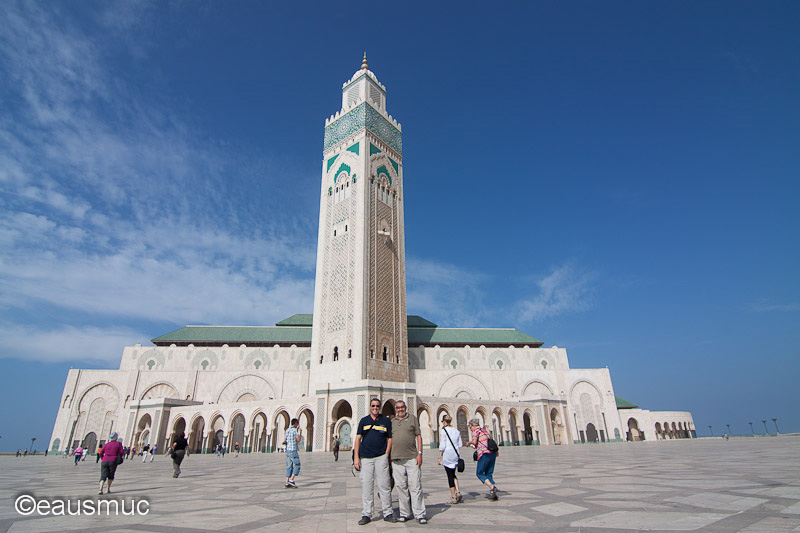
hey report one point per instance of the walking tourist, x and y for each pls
(449, 446)
(110, 456)
(407, 464)
(78, 454)
(336, 443)
(97, 459)
(144, 452)
(486, 451)
(179, 451)
(236, 449)
(371, 449)
(293, 436)
(153, 451)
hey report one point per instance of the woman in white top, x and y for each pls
(448, 456)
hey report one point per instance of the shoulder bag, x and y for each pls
(460, 465)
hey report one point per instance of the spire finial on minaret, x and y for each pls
(364, 65)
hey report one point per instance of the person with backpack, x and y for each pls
(486, 451)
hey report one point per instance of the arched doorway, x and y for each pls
(497, 428)
(512, 420)
(306, 419)
(633, 430)
(462, 424)
(90, 443)
(237, 432)
(526, 424)
(281, 425)
(258, 440)
(178, 427)
(196, 436)
(342, 425)
(591, 433)
(216, 433)
(388, 409)
(142, 432)
(557, 426)
(424, 417)
(480, 414)
(56, 444)
(440, 413)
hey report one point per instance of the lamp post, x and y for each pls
(766, 431)
(775, 421)
(729, 429)
(751, 429)
(710, 431)
(33, 439)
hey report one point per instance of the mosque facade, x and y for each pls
(223, 385)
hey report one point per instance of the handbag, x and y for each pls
(460, 465)
(119, 459)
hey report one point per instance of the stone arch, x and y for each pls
(281, 421)
(236, 430)
(462, 381)
(465, 393)
(513, 421)
(387, 408)
(557, 426)
(536, 387)
(96, 389)
(528, 426)
(496, 425)
(454, 356)
(143, 428)
(66, 399)
(544, 359)
(55, 445)
(306, 418)
(425, 424)
(259, 424)
(461, 422)
(482, 415)
(216, 431)
(196, 435)
(634, 433)
(160, 389)
(259, 386)
(442, 410)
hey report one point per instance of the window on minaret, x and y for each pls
(385, 353)
(321, 358)
(349, 354)
(335, 353)
(372, 353)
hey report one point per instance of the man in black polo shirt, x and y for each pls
(372, 448)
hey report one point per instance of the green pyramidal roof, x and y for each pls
(296, 330)
(296, 320)
(624, 404)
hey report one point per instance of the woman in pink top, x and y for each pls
(486, 459)
(78, 453)
(109, 455)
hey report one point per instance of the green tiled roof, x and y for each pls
(471, 336)
(235, 335)
(296, 320)
(297, 330)
(415, 321)
(624, 404)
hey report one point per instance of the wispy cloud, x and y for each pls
(111, 204)
(566, 289)
(445, 293)
(765, 306)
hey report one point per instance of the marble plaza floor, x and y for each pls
(743, 484)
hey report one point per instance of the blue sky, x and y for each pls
(615, 178)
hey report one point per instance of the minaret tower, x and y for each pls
(359, 330)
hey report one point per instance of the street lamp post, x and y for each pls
(710, 431)
(751, 429)
(33, 439)
(729, 429)
(766, 431)
(775, 421)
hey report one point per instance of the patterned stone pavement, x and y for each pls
(744, 484)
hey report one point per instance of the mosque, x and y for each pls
(223, 385)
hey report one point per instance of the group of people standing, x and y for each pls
(388, 450)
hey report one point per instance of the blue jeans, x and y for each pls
(485, 467)
(292, 464)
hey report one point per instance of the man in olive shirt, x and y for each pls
(406, 463)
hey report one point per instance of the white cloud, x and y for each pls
(68, 343)
(444, 293)
(566, 289)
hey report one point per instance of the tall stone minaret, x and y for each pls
(360, 295)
